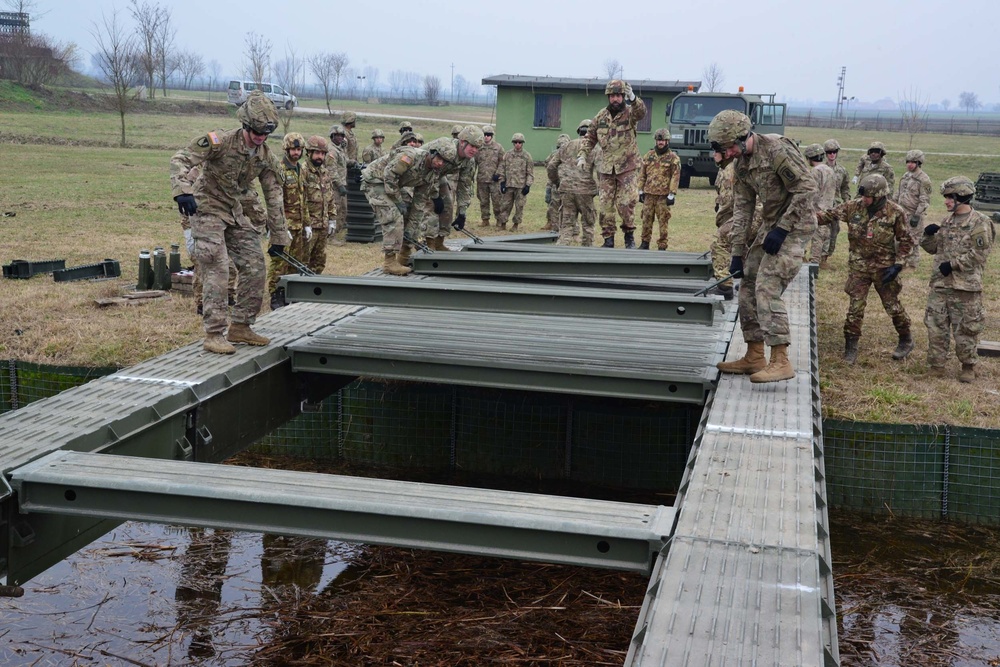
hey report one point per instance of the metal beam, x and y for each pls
(505, 524)
(511, 298)
(622, 265)
(492, 245)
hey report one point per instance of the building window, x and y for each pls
(548, 110)
(646, 124)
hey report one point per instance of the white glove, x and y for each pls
(670, 198)
(188, 241)
(331, 227)
(309, 232)
(854, 180)
(581, 162)
(629, 95)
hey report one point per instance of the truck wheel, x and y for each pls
(712, 178)
(685, 181)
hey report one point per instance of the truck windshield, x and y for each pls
(701, 109)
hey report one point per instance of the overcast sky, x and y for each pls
(796, 49)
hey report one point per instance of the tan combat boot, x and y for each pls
(242, 333)
(403, 256)
(393, 267)
(778, 369)
(437, 243)
(753, 361)
(217, 344)
(968, 373)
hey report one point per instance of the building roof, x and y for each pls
(594, 84)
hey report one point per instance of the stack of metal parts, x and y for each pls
(361, 224)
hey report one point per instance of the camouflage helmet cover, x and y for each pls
(293, 140)
(813, 152)
(405, 126)
(959, 186)
(419, 137)
(831, 145)
(337, 128)
(455, 129)
(317, 143)
(728, 127)
(472, 135)
(258, 113)
(873, 185)
(877, 146)
(915, 156)
(662, 133)
(562, 140)
(488, 129)
(443, 147)
(378, 133)
(585, 123)
(349, 117)
(517, 137)
(615, 87)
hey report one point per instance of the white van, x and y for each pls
(239, 90)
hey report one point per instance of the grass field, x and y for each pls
(78, 196)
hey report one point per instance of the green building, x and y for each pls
(543, 107)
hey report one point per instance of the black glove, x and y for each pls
(503, 187)
(273, 249)
(716, 208)
(525, 190)
(438, 205)
(931, 230)
(496, 177)
(548, 194)
(945, 268)
(358, 178)
(342, 189)
(914, 220)
(186, 204)
(773, 240)
(736, 267)
(889, 273)
(642, 197)
(459, 223)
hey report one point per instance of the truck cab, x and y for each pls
(690, 113)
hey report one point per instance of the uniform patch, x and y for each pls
(214, 138)
(203, 142)
(979, 241)
(406, 158)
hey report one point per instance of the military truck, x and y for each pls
(987, 197)
(690, 113)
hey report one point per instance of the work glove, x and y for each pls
(914, 220)
(503, 187)
(459, 223)
(438, 205)
(945, 268)
(670, 199)
(525, 190)
(854, 180)
(629, 95)
(642, 197)
(273, 250)
(931, 230)
(548, 194)
(890, 272)
(309, 232)
(773, 240)
(403, 207)
(331, 227)
(496, 177)
(188, 241)
(186, 204)
(342, 189)
(357, 179)
(736, 267)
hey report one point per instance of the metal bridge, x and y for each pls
(740, 565)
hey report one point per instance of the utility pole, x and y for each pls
(453, 83)
(840, 92)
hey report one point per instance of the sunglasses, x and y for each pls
(517, 142)
(488, 134)
(832, 152)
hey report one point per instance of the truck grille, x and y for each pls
(693, 137)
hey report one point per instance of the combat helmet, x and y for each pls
(488, 129)
(444, 148)
(473, 136)
(728, 127)
(378, 133)
(662, 133)
(349, 117)
(584, 125)
(562, 140)
(915, 156)
(877, 146)
(405, 126)
(455, 129)
(615, 87)
(831, 145)
(958, 187)
(317, 143)
(813, 152)
(258, 114)
(419, 138)
(293, 140)
(337, 128)
(874, 186)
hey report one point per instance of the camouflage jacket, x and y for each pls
(228, 170)
(404, 167)
(373, 152)
(616, 137)
(466, 170)
(842, 192)
(776, 175)
(293, 184)
(569, 178)
(915, 193)
(866, 166)
(965, 241)
(488, 161)
(826, 186)
(724, 194)
(336, 160)
(876, 241)
(350, 147)
(319, 193)
(517, 169)
(660, 174)
(553, 182)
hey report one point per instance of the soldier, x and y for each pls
(446, 195)
(614, 130)
(517, 174)
(487, 176)
(553, 199)
(337, 162)
(769, 167)
(296, 215)
(321, 200)
(455, 129)
(577, 189)
(722, 243)
(659, 177)
(385, 183)
(961, 245)
(843, 192)
(405, 126)
(230, 161)
(826, 183)
(349, 120)
(914, 196)
(876, 227)
(374, 150)
(470, 139)
(874, 162)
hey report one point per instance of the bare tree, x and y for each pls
(413, 83)
(166, 61)
(462, 89)
(339, 62)
(214, 72)
(147, 18)
(397, 82)
(32, 59)
(321, 66)
(945, 104)
(120, 62)
(613, 68)
(371, 80)
(913, 110)
(257, 51)
(432, 89)
(969, 101)
(714, 78)
(191, 65)
(288, 73)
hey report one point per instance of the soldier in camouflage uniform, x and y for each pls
(321, 200)
(230, 161)
(826, 186)
(914, 196)
(375, 149)
(553, 199)
(842, 193)
(461, 173)
(337, 162)
(517, 174)
(961, 245)
(659, 178)
(577, 189)
(874, 162)
(446, 214)
(296, 215)
(405, 126)
(769, 168)
(349, 120)
(487, 176)
(251, 205)
(614, 130)
(722, 248)
(387, 182)
(876, 227)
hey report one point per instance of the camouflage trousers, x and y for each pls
(576, 206)
(316, 252)
(215, 245)
(953, 312)
(439, 224)
(553, 213)
(277, 267)
(394, 227)
(512, 200)
(820, 242)
(916, 233)
(722, 251)
(655, 208)
(831, 243)
(340, 205)
(763, 316)
(197, 287)
(488, 191)
(618, 192)
(857, 287)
